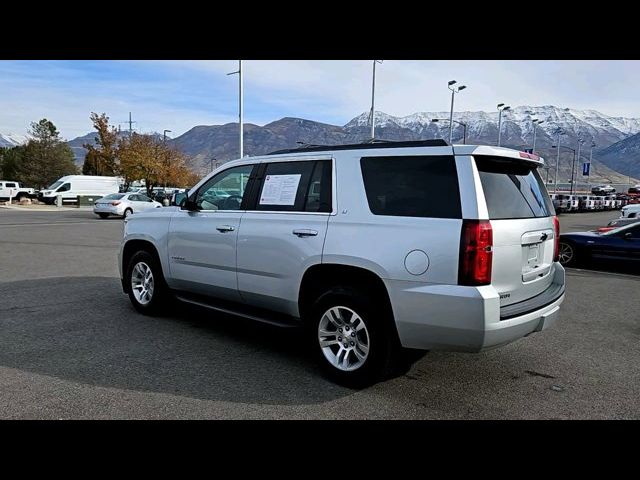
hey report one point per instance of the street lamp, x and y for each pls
(452, 85)
(593, 144)
(573, 165)
(373, 100)
(558, 132)
(240, 98)
(501, 107)
(535, 122)
(464, 126)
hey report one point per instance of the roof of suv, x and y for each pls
(383, 144)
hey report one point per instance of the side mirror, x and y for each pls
(189, 205)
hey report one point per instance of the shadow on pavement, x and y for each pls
(84, 329)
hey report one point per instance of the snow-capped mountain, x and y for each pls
(517, 123)
(12, 139)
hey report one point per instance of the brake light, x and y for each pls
(115, 203)
(476, 253)
(556, 239)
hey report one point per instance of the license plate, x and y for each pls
(532, 257)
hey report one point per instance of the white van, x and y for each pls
(71, 186)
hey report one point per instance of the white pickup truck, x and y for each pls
(13, 190)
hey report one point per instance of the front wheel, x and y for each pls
(127, 212)
(355, 345)
(148, 290)
(567, 254)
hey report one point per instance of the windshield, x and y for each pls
(55, 185)
(513, 189)
(113, 196)
(620, 229)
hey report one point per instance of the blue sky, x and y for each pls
(178, 95)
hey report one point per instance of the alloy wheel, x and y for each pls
(142, 283)
(344, 338)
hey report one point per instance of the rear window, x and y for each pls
(113, 196)
(513, 189)
(415, 186)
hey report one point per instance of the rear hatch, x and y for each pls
(521, 215)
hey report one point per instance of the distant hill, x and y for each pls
(206, 142)
(623, 156)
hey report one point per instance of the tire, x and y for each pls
(127, 212)
(359, 367)
(568, 259)
(103, 215)
(155, 300)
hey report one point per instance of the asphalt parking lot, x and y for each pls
(71, 346)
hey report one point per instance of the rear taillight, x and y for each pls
(115, 203)
(556, 239)
(476, 253)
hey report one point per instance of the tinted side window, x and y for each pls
(412, 186)
(319, 193)
(11, 185)
(64, 188)
(284, 186)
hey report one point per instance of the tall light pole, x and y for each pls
(373, 100)
(464, 127)
(452, 85)
(580, 142)
(593, 144)
(535, 122)
(240, 101)
(501, 107)
(164, 141)
(559, 132)
(573, 165)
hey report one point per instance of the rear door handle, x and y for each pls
(305, 233)
(225, 228)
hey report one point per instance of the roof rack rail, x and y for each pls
(438, 142)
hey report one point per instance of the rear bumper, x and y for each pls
(451, 317)
(111, 210)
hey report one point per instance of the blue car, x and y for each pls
(618, 247)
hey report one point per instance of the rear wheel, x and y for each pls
(567, 254)
(127, 212)
(103, 215)
(354, 343)
(148, 290)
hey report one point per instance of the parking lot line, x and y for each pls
(44, 224)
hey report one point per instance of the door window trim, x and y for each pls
(253, 200)
(248, 191)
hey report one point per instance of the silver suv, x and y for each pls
(371, 247)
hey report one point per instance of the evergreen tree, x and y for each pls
(46, 156)
(10, 160)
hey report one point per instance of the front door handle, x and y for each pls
(303, 232)
(225, 228)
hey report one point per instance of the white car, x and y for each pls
(123, 204)
(630, 211)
